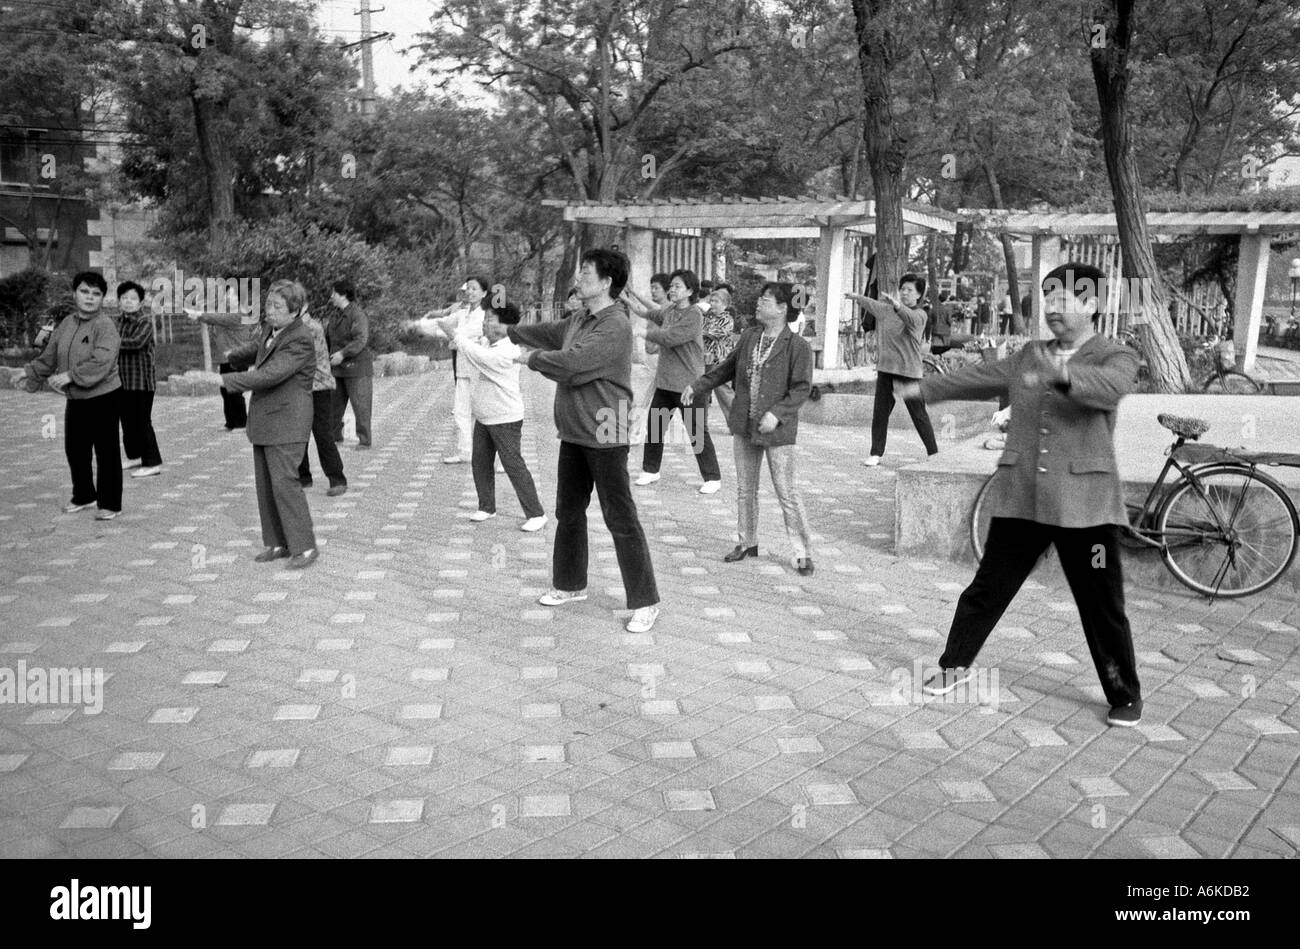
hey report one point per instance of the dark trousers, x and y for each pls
(232, 403)
(322, 429)
(281, 504)
(90, 427)
(138, 438)
(884, 405)
(1090, 558)
(359, 390)
(489, 442)
(696, 418)
(580, 468)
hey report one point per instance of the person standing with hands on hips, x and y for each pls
(1059, 485)
(348, 336)
(900, 325)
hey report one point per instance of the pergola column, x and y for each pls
(1046, 255)
(830, 291)
(1252, 272)
(640, 249)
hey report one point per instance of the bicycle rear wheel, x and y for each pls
(1234, 536)
(1231, 382)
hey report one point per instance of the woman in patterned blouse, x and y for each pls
(135, 366)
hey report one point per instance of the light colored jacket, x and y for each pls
(679, 334)
(1060, 451)
(85, 349)
(898, 337)
(494, 391)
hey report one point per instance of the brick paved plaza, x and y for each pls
(406, 696)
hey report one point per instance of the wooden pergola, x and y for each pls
(831, 220)
(1255, 230)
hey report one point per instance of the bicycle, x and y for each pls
(1223, 379)
(1223, 528)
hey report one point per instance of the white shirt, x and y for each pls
(494, 397)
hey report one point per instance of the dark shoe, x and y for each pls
(335, 490)
(740, 553)
(271, 553)
(1126, 716)
(805, 566)
(304, 559)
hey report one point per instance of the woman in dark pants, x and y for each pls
(135, 366)
(322, 420)
(80, 363)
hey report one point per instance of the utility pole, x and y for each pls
(367, 60)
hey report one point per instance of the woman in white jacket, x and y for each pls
(498, 409)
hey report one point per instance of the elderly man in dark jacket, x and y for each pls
(772, 371)
(1059, 486)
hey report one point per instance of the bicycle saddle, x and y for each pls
(1186, 427)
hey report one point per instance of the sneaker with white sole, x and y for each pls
(131, 463)
(73, 507)
(647, 477)
(872, 461)
(453, 460)
(533, 524)
(945, 680)
(643, 619)
(560, 597)
(105, 515)
(147, 472)
(710, 487)
(482, 515)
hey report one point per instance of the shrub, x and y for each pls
(27, 299)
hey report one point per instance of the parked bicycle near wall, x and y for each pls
(1223, 527)
(1225, 377)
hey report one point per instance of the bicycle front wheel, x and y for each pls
(1231, 382)
(1228, 531)
(981, 516)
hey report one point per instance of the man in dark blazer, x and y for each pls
(1059, 486)
(283, 361)
(347, 333)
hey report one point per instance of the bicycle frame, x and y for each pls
(1187, 472)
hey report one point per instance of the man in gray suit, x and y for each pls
(1059, 486)
(279, 422)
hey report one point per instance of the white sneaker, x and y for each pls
(147, 472)
(533, 523)
(453, 460)
(105, 515)
(501, 469)
(710, 487)
(132, 463)
(482, 516)
(560, 597)
(647, 478)
(643, 620)
(872, 461)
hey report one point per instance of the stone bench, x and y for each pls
(934, 499)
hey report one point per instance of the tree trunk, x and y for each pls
(1110, 73)
(886, 153)
(1008, 255)
(214, 150)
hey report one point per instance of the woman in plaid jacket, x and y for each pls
(135, 366)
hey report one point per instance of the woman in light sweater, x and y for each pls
(469, 312)
(498, 409)
(80, 363)
(678, 331)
